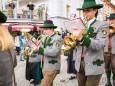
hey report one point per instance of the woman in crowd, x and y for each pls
(7, 57)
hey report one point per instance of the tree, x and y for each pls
(40, 12)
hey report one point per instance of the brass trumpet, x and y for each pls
(70, 41)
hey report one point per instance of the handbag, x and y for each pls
(14, 79)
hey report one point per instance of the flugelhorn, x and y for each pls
(70, 41)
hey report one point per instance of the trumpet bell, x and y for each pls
(65, 49)
(70, 41)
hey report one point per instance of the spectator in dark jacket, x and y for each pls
(31, 8)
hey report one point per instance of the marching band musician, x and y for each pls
(89, 52)
(109, 50)
(33, 64)
(50, 48)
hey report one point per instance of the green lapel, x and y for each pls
(93, 22)
(47, 41)
(90, 31)
(90, 25)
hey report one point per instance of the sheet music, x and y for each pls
(69, 24)
(31, 43)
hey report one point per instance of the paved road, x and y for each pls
(20, 75)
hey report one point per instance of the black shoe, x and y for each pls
(108, 84)
(36, 83)
(72, 77)
(32, 82)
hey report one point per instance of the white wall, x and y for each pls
(113, 2)
(56, 8)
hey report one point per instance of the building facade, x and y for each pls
(56, 10)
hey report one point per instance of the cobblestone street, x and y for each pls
(63, 76)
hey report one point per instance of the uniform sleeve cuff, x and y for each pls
(85, 41)
(41, 51)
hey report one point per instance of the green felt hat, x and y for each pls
(90, 4)
(3, 17)
(48, 24)
(112, 16)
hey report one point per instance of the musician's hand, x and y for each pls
(35, 48)
(39, 41)
(77, 33)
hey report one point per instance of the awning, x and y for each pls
(6, 24)
(19, 27)
(38, 28)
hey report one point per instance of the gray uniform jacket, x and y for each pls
(52, 53)
(93, 55)
(6, 67)
(36, 58)
(113, 45)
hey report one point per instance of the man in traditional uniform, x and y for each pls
(110, 51)
(50, 48)
(89, 52)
